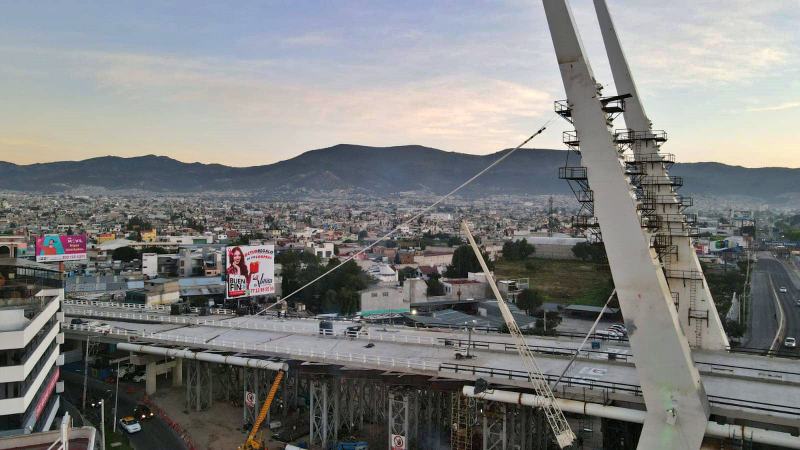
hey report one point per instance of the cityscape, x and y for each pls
(592, 293)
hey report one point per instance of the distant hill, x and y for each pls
(370, 170)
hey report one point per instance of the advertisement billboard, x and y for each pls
(60, 247)
(251, 270)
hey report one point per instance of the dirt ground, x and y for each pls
(218, 428)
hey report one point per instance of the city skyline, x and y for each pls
(266, 82)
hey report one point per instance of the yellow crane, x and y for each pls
(252, 443)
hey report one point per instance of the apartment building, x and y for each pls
(30, 338)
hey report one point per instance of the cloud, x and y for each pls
(476, 113)
(778, 107)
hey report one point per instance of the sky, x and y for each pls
(246, 83)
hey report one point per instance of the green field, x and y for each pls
(561, 281)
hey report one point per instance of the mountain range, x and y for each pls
(378, 171)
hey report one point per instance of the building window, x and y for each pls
(385, 294)
(374, 294)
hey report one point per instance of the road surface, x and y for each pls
(155, 433)
(764, 315)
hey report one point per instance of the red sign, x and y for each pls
(48, 391)
(398, 442)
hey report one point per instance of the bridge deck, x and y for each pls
(739, 386)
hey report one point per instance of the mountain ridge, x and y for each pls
(372, 170)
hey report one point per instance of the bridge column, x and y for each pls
(494, 426)
(402, 415)
(324, 413)
(199, 390)
(177, 373)
(150, 377)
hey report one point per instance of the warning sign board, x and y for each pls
(250, 399)
(398, 442)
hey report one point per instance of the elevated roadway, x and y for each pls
(740, 386)
(768, 305)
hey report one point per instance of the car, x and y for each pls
(139, 377)
(99, 327)
(797, 302)
(78, 322)
(618, 328)
(783, 290)
(142, 412)
(790, 342)
(130, 424)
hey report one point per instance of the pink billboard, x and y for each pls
(250, 270)
(60, 247)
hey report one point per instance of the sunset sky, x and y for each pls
(248, 83)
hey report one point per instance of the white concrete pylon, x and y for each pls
(677, 407)
(697, 312)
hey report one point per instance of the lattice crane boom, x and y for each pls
(555, 417)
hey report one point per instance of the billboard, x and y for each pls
(251, 270)
(105, 237)
(60, 247)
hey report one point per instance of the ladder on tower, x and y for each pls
(461, 409)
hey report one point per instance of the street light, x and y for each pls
(469, 336)
(103, 423)
(85, 372)
(116, 388)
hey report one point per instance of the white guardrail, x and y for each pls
(313, 330)
(266, 347)
(142, 307)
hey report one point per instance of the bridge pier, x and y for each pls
(199, 386)
(495, 417)
(324, 411)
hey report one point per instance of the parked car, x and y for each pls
(99, 327)
(142, 412)
(77, 321)
(783, 290)
(139, 377)
(790, 342)
(130, 424)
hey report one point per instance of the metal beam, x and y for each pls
(694, 297)
(673, 393)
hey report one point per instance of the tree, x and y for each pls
(517, 250)
(529, 300)
(585, 251)
(435, 287)
(124, 254)
(362, 235)
(464, 261)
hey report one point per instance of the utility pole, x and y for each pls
(85, 372)
(103, 423)
(116, 389)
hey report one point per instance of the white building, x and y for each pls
(30, 338)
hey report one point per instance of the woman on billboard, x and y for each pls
(236, 265)
(238, 275)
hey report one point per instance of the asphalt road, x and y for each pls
(763, 310)
(155, 434)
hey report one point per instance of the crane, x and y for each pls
(555, 417)
(252, 443)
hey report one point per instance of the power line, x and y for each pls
(419, 214)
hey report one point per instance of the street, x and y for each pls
(155, 434)
(764, 316)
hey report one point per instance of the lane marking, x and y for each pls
(781, 321)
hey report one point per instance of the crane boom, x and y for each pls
(252, 443)
(555, 417)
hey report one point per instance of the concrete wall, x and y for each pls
(384, 299)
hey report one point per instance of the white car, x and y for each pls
(790, 342)
(139, 378)
(783, 290)
(130, 424)
(99, 327)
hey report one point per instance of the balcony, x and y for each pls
(630, 136)
(577, 173)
